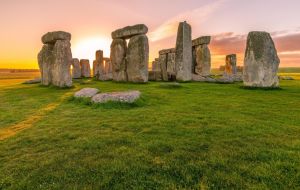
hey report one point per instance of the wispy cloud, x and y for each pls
(199, 15)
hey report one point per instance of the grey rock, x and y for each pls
(127, 97)
(137, 57)
(166, 51)
(55, 64)
(154, 76)
(230, 66)
(76, 70)
(171, 67)
(163, 58)
(184, 52)
(99, 70)
(203, 60)
(199, 78)
(129, 31)
(86, 93)
(201, 41)
(33, 81)
(52, 37)
(261, 61)
(85, 68)
(118, 50)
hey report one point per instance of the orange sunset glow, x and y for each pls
(91, 23)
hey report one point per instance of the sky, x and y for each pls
(91, 22)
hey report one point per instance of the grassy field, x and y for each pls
(197, 136)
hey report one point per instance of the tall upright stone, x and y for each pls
(163, 59)
(201, 56)
(137, 58)
(99, 71)
(76, 71)
(55, 59)
(261, 61)
(183, 57)
(118, 50)
(85, 68)
(230, 66)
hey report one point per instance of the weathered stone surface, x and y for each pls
(99, 70)
(52, 37)
(261, 61)
(171, 67)
(86, 93)
(201, 41)
(199, 78)
(286, 78)
(154, 76)
(128, 97)
(76, 70)
(45, 60)
(203, 60)
(184, 52)
(163, 58)
(230, 66)
(129, 31)
(166, 51)
(55, 62)
(33, 81)
(137, 57)
(85, 68)
(118, 50)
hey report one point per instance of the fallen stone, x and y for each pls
(86, 93)
(76, 70)
(52, 37)
(261, 61)
(118, 50)
(137, 58)
(199, 78)
(286, 78)
(129, 31)
(201, 41)
(183, 57)
(33, 81)
(127, 97)
(85, 68)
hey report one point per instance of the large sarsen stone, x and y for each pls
(261, 61)
(129, 31)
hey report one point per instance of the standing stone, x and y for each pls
(76, 71)
(203, 60)
(171, 68)
(96, 72)
(137, 57)
(85, 68)
(55, 59)
(99, 72)
(163, 58)
(261, 61)
(230, 67)
(118, 50)
(183, 57)
(45, 58)
(155, 65)
(108, 69)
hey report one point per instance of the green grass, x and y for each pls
(195, 136)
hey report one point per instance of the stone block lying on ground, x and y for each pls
(125, 97)
(86, 93)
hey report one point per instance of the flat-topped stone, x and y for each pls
(127, 97)
(166, 51)
(129, 31)
(86, 93)
(52, 37)
(201, 41)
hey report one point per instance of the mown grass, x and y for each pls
(196, 136)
